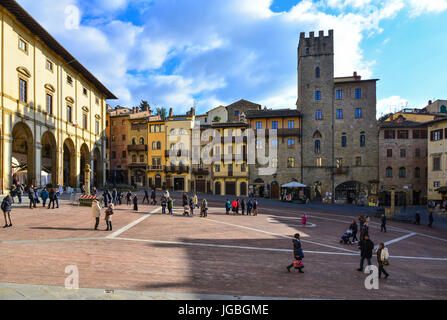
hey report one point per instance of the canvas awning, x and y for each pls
(293, 184)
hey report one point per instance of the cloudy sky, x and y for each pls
(180, 53)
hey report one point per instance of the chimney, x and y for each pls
(170, 112)
(429, 102)
(193, 111)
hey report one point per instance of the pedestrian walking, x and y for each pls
(255, 207)
(367, 220)
(204, 209)
(366, 251)
(249, 207)
(56, 197)
(108, 218)
(36, 196)
(238, 205)
(243, 205)
(191, 206)
(32, 197)
(129, 197)
(6, 207)
(227, 207)
(19, 190)
(354, 229)
(96, 212)
(382, 259)
(105, 198)
(146, 196)
(298, 254)
(234, 206)
(154, 197)
(430, 219)
(44, 196)
(417, 218)
(52, 197)
(195, 200)
(163, 203)
(361, 220)
(185, 199)
(114, 196)
(120, 197)
(383, 225)
(135, 203)
(170, 205)
(304, 220)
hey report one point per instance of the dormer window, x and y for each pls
(23, 45)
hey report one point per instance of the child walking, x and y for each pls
(297, 254)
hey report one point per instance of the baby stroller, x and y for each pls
(186, 211)
(346, 237)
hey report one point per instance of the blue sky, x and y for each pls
(179, 53)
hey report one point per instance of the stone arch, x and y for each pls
(97, 168)
(350, 190)
(69, 163)
(243, 189)
(48, 159)
(22, 161)
(85, 159)
(217, 188)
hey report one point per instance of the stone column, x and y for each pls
(93, 169)
(38, 164)
(393, 193)
(87, 172)
(78, 170)
(7, 160)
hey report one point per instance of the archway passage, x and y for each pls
(350, 190)
(217, 188)
(85, 159)
(97, 168)
(69, 175)
(49, 159)
(243, 187)
(274, 187)
(22, 154)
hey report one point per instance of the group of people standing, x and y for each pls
(250, 207)
(96, 211)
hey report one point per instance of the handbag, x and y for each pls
(298, 264)
(386, 262)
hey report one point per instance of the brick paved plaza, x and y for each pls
(218, 255)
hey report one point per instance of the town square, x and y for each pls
(273, 150)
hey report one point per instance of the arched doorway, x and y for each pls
(217, 188)
(243, 189)
(69, 165)
(259, 187)
(85, 159)
(317, 191)
(22, 154)
(48, 173)
(97, 168)
(350, 190)
(157, 181)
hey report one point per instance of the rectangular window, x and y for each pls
(318, 115)
(403, 153)
(339, 113)
(417, 153)
(419, 134)
(291, 143)
(113, 154)
(243, 167)
(274, 124)
(96, 100)
(23, 90)
(123, 137)
(317, 95)
(436, 135)
(84, 121)
(69, 114)
(319, 162)
(258, 125)
(402, 134)
(339, 94)
(23, 45)
(358, 93)
(389, 153)
(236, 113)
(274, 143)
(49, 65)
(141, 158)
(49, 104)
(291, 124)
(69, 80)
(343, 141)
(291, 162)
(436, 163)
(358, 161)
(123, 154)
(97, 127)
(390, 134)
(217, 168)
(436, 184)
(358, 113)
(84, 91)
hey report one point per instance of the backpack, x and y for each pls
(3, 205)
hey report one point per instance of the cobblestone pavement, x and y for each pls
(149, 255)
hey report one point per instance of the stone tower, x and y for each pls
(315, 102)
(339, 129)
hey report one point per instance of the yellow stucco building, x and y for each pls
(437, 160)
(53, 110)
(156, 160)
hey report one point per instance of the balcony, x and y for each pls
(341, 170)
(295, 132)
(201, 171)
(137, 147)
(156, 168)
(178, 153)
(178, 169)
(135, 165)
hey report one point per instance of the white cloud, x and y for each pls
(213, 51)
(391, 104)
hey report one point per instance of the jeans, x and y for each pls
(163, 210)
(383, 227)
(32, 203)
(363, 259)
(382, 270)
(170, 211)
(97, 223)
(20, 197)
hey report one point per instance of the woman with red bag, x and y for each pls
(297, 254)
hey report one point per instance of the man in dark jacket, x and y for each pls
(298, 253)
(146, 196)
(32, 197)
(354, 228)
(6, 207)
(430, 219)
(114, 196)
(185, 199)
(153, 197)
(19, 191)
(243, 205)
(105, 196)
(383, 225)
(366, 251)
